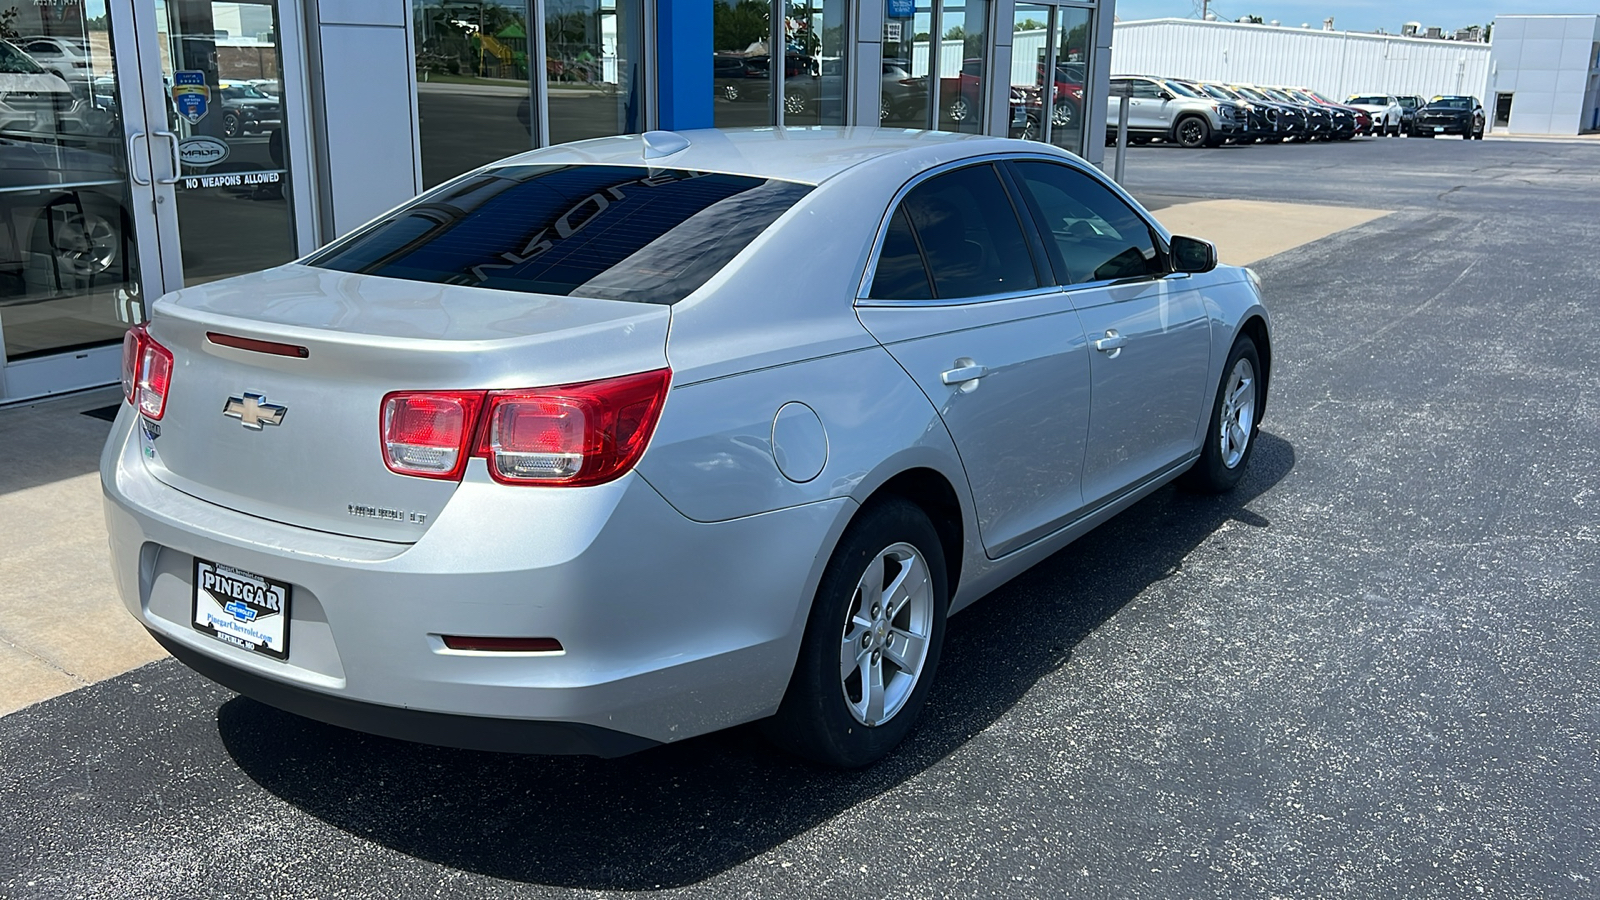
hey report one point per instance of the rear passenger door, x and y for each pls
(960, 296)
(1151, 337)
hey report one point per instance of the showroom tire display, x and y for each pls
(1192, 132)
(872, 642)
(1235, 424)
(959, 110)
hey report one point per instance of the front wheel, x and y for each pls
(872, 642)
(794, 103)
(1231, 437)
(1193, 133)
(959, 110)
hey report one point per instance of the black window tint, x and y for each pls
(970, 234)
(900, 274)
(1144, 90)
(1097, 235)
(609, 232)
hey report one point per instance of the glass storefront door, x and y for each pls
(141, 150)
(1050, 71)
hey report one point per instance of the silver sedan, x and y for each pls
(620, 442)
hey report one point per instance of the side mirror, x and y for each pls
(1193, 255)
(1165, 95)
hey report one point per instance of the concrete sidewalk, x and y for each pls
(62, 626)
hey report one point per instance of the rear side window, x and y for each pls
(901, 274)
(1097, 237)
(969, 236)
(607, 232)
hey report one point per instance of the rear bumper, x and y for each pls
(669, 628)
(445, 730)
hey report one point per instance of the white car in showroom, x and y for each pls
(1385, 110)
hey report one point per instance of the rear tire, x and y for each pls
(872, 642)
(1235, 424)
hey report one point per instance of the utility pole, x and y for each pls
(1205, 10)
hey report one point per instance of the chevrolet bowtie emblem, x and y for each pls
(253, 411)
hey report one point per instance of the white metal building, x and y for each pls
(1336, 63)
(1544, 74)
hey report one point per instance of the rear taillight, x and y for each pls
(146, 372)
(428, 433)
(570, 435)
(574, 435)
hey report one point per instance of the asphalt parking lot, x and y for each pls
(1370, 672)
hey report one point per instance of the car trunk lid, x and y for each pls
(342, 342)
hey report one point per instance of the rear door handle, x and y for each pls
(1111, 343)
(965, 370)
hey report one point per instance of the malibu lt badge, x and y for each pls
(253, 411)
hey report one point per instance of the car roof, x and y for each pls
(809, 155)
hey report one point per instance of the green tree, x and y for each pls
(735, 26)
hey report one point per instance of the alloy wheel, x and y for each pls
(794, 104)
(85, 244)
(959, 110)
(886, 634)
(1238, 413)
(1062, 115)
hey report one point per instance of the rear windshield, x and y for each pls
(607, 232)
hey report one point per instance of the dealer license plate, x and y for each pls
(242, 608)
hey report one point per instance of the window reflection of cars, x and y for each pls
(246, 109)
(904, 94)
(54, 240)
(740, 78)
(36, 101)
(57, 55)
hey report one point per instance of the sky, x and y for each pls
(1354, 15)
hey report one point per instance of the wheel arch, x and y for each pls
(931, 491)
(1255, 327)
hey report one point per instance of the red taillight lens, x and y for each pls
(571, 435)
(146, 372)
(575, 434)
(427, 433)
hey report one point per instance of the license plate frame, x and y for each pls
(237, 608)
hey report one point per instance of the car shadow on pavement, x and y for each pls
(682, 813)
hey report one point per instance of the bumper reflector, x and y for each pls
(503, 644)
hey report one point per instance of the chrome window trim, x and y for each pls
(864, 288)
(959, 301)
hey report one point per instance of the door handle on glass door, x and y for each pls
(133, 157)
(177, 164)
(966, 372)
(1111, 343)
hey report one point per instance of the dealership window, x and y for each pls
(752, 88)
(480, 70)
(931, 83)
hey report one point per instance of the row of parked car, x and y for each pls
(1208, 114)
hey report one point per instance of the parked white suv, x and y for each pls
(1385, 110)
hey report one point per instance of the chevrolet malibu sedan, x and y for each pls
(616, 443)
